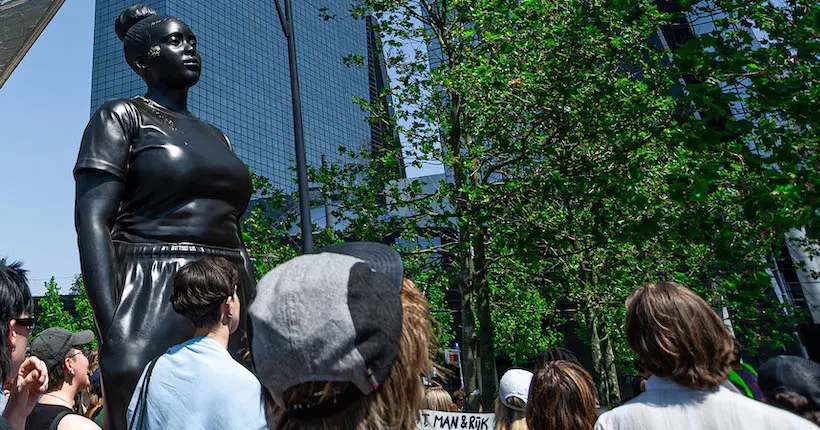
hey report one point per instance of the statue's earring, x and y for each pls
(154, 51)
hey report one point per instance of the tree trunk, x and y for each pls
(468, 347)
(485, 331)
(610, 373)
(597, 354)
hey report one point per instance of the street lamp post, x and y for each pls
(286, 19)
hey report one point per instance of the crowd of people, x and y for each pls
(341, 339)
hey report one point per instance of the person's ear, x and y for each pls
(68, 369)
(12, 334)
(140, 63)
(227, 310)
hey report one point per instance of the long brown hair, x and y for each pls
(678, 336)
(507, 418)
(562, 397)
(396, 403)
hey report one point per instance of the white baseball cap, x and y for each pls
(515, 383)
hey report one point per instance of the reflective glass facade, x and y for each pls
(245, 85)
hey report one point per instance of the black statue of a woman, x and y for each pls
(156, 189)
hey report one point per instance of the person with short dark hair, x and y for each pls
(554, 353)
(17, 306)
(67, 366)
(28, 376)
(341, 340)
(197, 384)
(562, 397)
(682, 341)
(458, 399)
(793, 384)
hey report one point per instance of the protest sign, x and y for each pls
(435, 420)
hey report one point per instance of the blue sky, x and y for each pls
(44, 107)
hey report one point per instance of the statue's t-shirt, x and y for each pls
(183, 183)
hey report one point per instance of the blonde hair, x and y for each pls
(507, 418)
(396, 403)
(437, 399)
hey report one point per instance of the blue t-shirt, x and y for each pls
(198, 385)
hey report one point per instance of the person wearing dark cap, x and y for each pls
(68, 376)
(792, 383)
(341, 340)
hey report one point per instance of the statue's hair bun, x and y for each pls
(130, 16)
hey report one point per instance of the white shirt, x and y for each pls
(665, 405)
(198, 385)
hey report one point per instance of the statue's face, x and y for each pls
(172, 59)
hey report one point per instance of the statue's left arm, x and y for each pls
(246, 259)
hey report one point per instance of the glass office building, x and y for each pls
(245, 85)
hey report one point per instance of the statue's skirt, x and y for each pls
(145, 324)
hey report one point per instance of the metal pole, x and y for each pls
(298, 133)
(328, 209)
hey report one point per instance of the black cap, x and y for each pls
(53, 345)
(382, 258)
(789, 373)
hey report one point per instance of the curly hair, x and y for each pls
(678, 336)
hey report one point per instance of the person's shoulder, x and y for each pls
(76, 422)
(619, 417)
(121, 106)
(759, 413)
(240, 372)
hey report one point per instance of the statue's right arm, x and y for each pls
(100, 174)
(98, 198)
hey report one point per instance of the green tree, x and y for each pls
(516, 91)
(748, 140)
(52, 312)
(574, 175)
(84, 318)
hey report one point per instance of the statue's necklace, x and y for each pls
(159, 111)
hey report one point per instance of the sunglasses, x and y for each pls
(29, 323)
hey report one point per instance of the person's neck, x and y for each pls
(221, 333)
(63, 397)
(172, 98)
